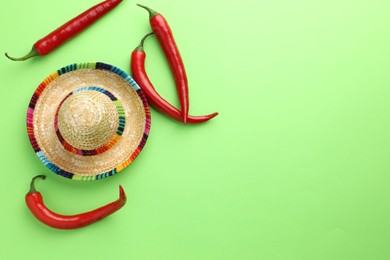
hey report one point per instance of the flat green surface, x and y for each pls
(295, 167)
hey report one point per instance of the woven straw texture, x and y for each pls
(88, 121)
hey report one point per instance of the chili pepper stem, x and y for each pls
(32, 186)
(140, 47)
(31, 54)
(151, 11)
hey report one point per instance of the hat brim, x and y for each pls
(48, 96)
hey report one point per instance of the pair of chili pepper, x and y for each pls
(163, 32)
(36, 205)
(68, 30)
(34, 198)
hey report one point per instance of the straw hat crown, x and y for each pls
(87, 120)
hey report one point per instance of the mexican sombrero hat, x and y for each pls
(88, 121)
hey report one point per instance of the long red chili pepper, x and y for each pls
(36, 205)
(164, 35)
(137, 64)
(68, 30)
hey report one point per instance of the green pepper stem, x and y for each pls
(32, 53)
(32, 186)
(151, 11)
(140, 47)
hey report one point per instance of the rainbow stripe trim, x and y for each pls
(47, 81)
(111, 143)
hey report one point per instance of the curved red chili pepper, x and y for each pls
(165, 37)
(36, 205)
(137, 64)
(68, 30)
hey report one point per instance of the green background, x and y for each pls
(295, 167)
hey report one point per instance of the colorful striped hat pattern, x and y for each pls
(88, 121)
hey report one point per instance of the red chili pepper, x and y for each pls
(68, 30)
(165, 37)
(36, 205)
(137, 64)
